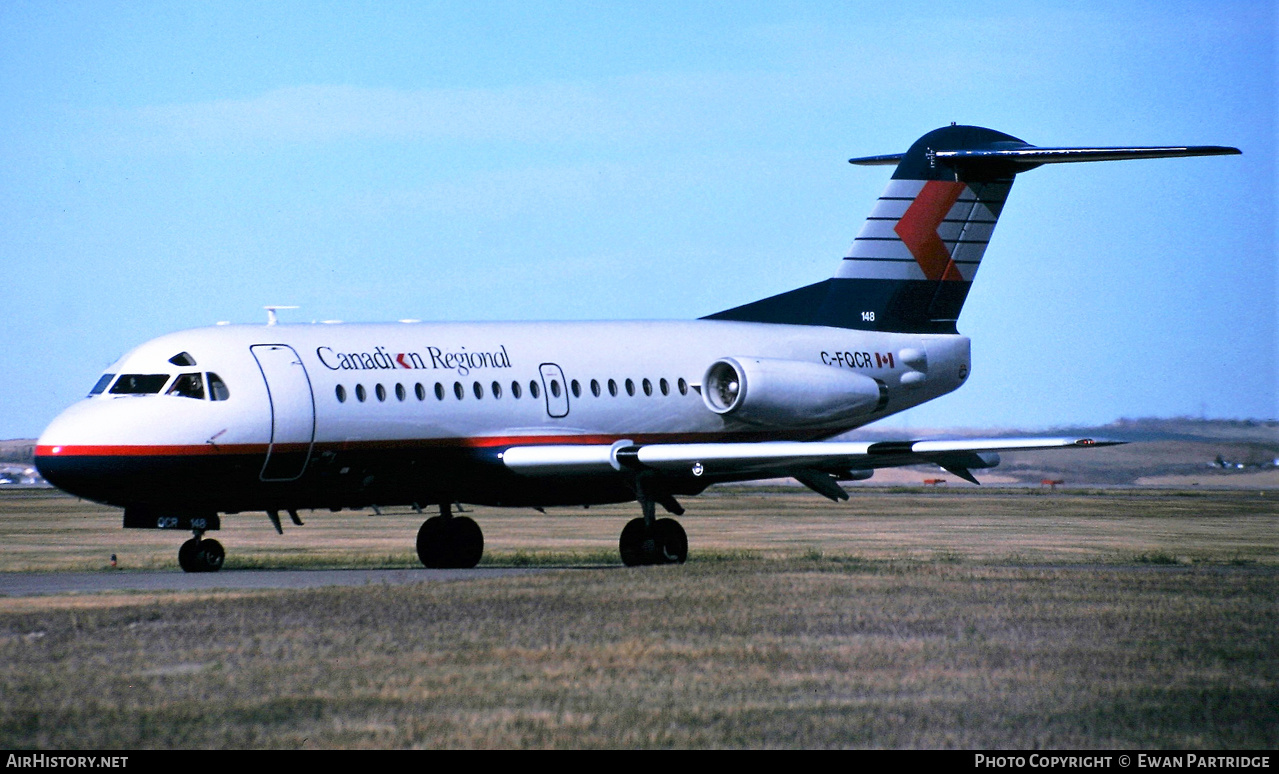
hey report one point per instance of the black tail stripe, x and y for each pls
(947, 241)
(902, 260)
(989, 222)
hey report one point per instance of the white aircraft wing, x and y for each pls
(816, 464)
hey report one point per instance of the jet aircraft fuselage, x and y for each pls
(355, 415)
(286, 417)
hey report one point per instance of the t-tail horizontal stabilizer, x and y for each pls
(1029, 157)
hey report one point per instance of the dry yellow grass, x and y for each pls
(978, 620)
(749, 653)
(42, 531)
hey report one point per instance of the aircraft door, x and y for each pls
(555, 389)
(292, 411)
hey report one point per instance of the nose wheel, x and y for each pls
(197, 555)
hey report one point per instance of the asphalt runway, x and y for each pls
(18, 584)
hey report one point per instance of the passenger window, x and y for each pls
(478, 389)
(439, 391)
(459, 390)
(103, 381)
(515, 390)
(400, 394)
(555, 387)
(497, 390)
(419, 391)
(630, 387)
(381, 392)
(683, 386)
(595, 388)
(664, 386)
(648, 387)
(188, 386)
(217, 388)
(533, 389)
(612, 388)
(360, 395)
(341, 393)
(577, 389)
(139, 384)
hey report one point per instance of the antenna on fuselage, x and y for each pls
(271, 318)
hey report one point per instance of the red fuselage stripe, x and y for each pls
(208, 449)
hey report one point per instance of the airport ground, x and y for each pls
(906, 617)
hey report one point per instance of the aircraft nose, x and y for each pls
(131, 451)
(55, 469)
(58, 459)
(74, 455)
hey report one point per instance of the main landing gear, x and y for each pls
(450, 542)
(649, 540)
(198, 555)
(663, 543)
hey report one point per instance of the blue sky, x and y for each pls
(165, 166)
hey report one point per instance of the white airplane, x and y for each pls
(278, 418)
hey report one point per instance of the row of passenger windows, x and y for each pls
(516, 390)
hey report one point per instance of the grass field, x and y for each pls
(972, 619)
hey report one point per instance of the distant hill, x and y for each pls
(1147, 429)
(1186, 429)
(1179, 451)
(19, 451)
(17, 465)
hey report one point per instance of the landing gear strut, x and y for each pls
(197, 555)
(450, 542)
(649, 540)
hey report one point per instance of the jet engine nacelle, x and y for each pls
(784, 393)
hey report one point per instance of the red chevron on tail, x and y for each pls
(918, 229)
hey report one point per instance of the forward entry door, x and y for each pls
(292, 411)
(556, 390)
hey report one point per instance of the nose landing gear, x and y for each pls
(197, 555)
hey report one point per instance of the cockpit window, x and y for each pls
(139, 384)
(188, 386)
(103, 381)
(182, 359)
(217, 388)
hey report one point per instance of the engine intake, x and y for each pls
(784, 393)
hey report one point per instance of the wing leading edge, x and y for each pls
(817, 465)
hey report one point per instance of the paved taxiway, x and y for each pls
(16, 584)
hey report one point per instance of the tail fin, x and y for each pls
(911, 266)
